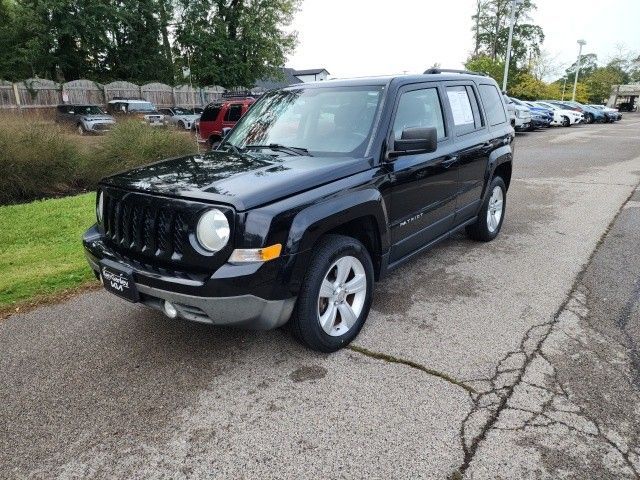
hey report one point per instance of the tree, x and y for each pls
(588, 64)
(485, 64)
(491, 31)
(600, 82)
(233, 43)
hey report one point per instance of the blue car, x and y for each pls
(540, 117)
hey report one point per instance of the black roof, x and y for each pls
(311, 71)
(273, 83)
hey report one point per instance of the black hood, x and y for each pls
(243, 180)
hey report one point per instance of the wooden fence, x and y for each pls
(40, 93)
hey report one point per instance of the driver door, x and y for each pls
(423, 185)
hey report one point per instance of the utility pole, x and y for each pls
(564, 85)
(514, 4)
(575, 83)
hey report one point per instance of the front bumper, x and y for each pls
(193, 299)
(102, 127)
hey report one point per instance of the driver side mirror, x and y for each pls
(225, 131)
(415, 140)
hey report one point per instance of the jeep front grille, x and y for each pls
(146, 229)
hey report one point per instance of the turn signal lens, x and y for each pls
(246, 255)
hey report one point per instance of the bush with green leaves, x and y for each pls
(39, 159)
(36, 159)
(132, 144)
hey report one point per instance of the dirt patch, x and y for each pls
(308, 372)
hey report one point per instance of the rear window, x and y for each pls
(210, 113)
(492, 104)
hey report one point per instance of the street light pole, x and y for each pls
(514, 4)
(575, 83)
(564, 86)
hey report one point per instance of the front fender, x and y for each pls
(314, 221)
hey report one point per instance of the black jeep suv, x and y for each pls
(319, 190)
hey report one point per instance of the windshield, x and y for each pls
(331, 121)
(141, 107)
(87, 110)
(182, 111)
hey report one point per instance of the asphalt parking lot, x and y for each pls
(514, 359)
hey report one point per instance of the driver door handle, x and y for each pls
(450, 160)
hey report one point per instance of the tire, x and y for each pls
(181, 125)
(489, 221)
(80, 129)
(214, 141)
(589, 118)
(315, 303)
(566, 122)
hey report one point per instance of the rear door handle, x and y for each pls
(449, 161)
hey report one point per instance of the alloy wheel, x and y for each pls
(494, 212)
(342, 296)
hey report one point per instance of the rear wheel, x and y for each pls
(489, 222)
(336, 294)
(588, 117)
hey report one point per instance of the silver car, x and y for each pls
(84, 118)
(183, 118)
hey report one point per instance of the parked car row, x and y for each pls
(529, 115)
(92, 119)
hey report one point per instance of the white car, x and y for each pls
(561, 116)
(182, 118)
(520, 116)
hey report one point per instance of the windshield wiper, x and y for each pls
(231, 146)
(282, 148)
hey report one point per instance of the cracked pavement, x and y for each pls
(514, 359)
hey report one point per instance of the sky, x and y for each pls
(373, 37)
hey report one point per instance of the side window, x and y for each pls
(234, 113)
(493, 106)
(210, 113)
(419, 108)
(465, 116)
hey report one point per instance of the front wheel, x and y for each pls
(566, 122)
(81, 130)
(489, 222)
(335, 296)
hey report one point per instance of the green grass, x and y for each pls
(40, 248)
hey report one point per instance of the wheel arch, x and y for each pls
(361, 214)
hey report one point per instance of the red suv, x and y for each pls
(219, 115)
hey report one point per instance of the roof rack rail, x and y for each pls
(451, 70)
(128, 98)
(244, 94)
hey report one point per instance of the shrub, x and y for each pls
(132, 144)
(40, 159)
(36, 159)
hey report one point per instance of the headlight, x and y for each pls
(99, 207)
(213, 230)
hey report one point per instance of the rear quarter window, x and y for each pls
(493, 105)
